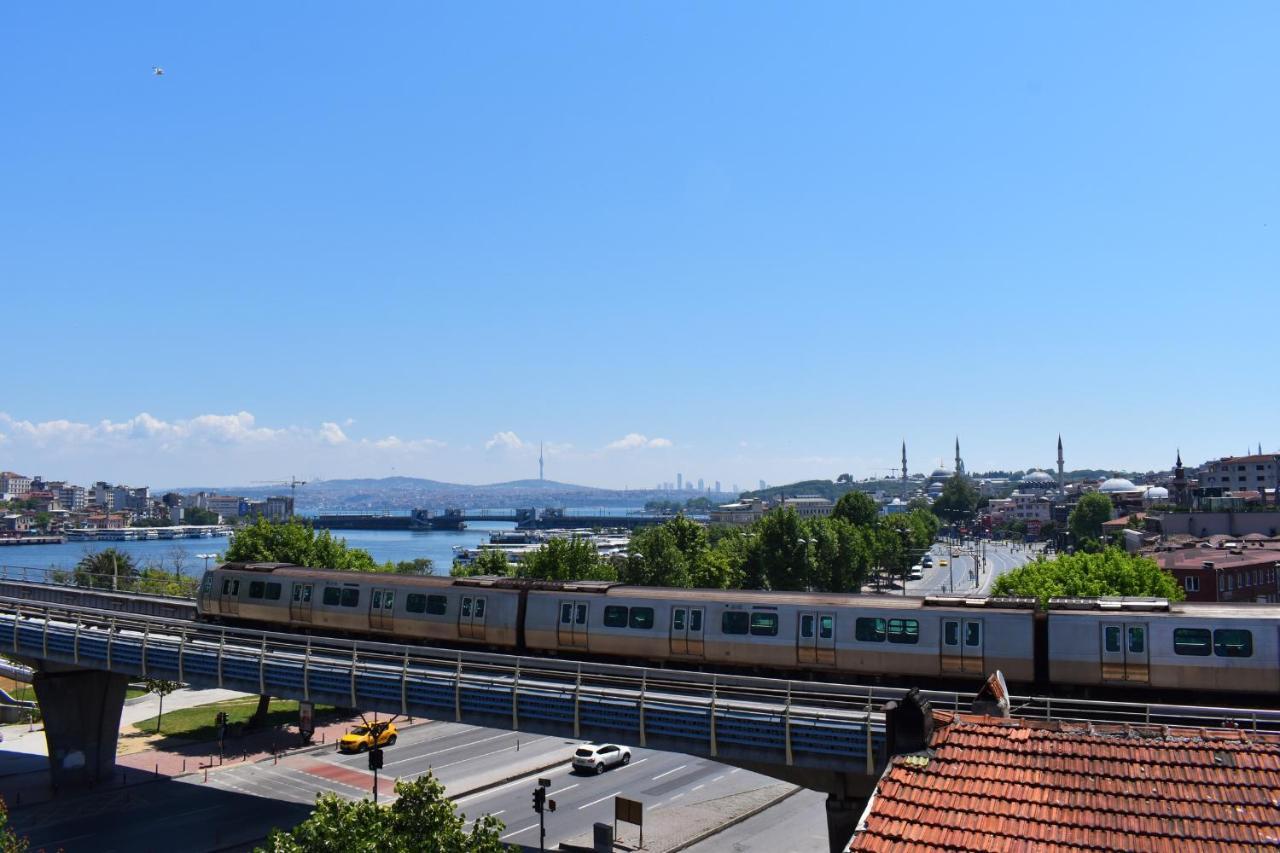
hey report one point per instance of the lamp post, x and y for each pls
(206, 558)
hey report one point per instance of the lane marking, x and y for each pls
(474, 757)
(449, 749)
(718, 778)
(562, 790)
(601, 800)
(518, 831)
(691, 790)
(521, 781)
(669, 772)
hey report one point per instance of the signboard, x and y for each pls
(628, 811)
(306, 719)
(1033, 527)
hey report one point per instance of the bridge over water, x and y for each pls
(530, 518)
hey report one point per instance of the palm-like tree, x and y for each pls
(106, 569)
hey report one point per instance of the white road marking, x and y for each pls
(669, 772)
(518, 831)
(601, 800)
(485, 755)
(450, 748)
(696, 787)
(567, 788)
(523, 780)
(718, 778)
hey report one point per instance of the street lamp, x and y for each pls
(206, 558)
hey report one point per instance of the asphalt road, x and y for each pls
(798, 824)
(999, 558)
(240, 804)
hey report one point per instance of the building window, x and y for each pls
(1192, 584)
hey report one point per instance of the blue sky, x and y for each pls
(738, 241)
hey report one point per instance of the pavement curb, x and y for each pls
(747, 815)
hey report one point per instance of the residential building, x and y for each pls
(43, 501)
(1225, 574)
(1256, 472)
(101, 493)
(1021, 506)
(228, 506)
(278, 508)
(14, 484)
(15, 523)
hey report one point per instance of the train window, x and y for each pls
(566, 613)
(415, 602)
(615, 616)
(306, 593)
(437, 605)
(1111, 638)
(1233, 643)
(207, 583)
(376, 604)
(868, 630)
(642, 618)
(226, 586)
(256, 588)
(1137, 639)
(905, 631)
(332, 596)
(466, 606)
(350, 596)
(1192, 641)
(389, 600)
(950, 633)
(735, 622)
(972, 634)
(479, 608)
(806, 626)
(764, 624)
(695, 620)
(677, 619)
(826, 627)
(273, 592)
(581, 618)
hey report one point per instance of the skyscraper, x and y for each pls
(717, 487)
(701, 488)
(540, 477)
(679, 482)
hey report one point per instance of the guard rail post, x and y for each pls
(44, 637)
(577, 702)
(786, 724)
(111, 635)
(353, 674)
(222, 644)
(515, 699)
(644, 685)
(404, 685)
(457, 692)
(75, 648)
(146, 637)
(262, 667)
(713, 716)
(182, 650)
(306, 672)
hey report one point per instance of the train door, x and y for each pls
(1125, 656)
(300, 604)
(572, 628)
(827, 639)
(686, 631)
(477, 618)
(962, 646)
(230, 596)
(816, 638)
(381, 609)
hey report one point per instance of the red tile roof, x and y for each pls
(992, 784)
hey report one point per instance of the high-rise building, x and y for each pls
(679, 482)
(717, 487)
(762, 485)
(540, 477)
(701, 488)
(735, 488)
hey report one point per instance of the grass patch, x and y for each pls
(198, 724)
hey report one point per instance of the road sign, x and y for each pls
(628, 811)
(306, 720)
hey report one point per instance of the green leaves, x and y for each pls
(297, 543)
(1083, 575)
(1087, 518)
(572, 559)
(958, 500)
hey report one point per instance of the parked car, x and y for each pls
(361, 738)
(598, 757)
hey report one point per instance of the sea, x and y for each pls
(396, 545)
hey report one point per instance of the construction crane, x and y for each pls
(292, 483)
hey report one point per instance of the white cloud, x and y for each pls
(636, 441)
(392, 442)
(506, 440)
(332, 433)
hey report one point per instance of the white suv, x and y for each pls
(596, 757)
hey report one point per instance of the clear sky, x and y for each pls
(733, 240)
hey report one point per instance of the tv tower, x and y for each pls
(540, 477)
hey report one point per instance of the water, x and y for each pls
(395, 545)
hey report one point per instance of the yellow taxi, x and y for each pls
(362, 738)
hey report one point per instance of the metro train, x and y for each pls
(1138, 644)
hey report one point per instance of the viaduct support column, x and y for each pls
(843, 813)
(81, 710)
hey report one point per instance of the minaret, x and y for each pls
(1179, 482)
(959, 462)
(540, 477)
(904, 471)
(1061, 484)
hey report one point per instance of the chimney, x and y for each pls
(908, 723)
(993, 699)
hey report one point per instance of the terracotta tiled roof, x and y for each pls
(993, 784)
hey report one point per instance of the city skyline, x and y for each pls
(890, 237)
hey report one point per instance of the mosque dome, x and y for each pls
(940, 474)
(1116, 485)
(1156, 493)
(1037, 478)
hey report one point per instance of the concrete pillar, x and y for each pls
(842, 820)
(81, 710)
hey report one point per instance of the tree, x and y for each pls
(491, 561)
(958, 499)
(10, 841)
(1083, 575)
(161, 688)
(198, 515)
(857, 508)
(42, 521)
(106, 569)
(298, 543)
(565, 560)
(416, 566)
(421, 818)
(1085, 521)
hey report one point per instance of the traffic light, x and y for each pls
(539, 797)
(551, 805)
(375, 758)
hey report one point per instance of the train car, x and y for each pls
(1148, 643)
(787, 631)
(479, 611)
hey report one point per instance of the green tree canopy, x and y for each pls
(106, 569)
(958, 499)
(1085, 521)
(857, 508)
(490, 561)
(297, 543)
(422, 818)
(565, 560)
(198, 515)
(1082, 575)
